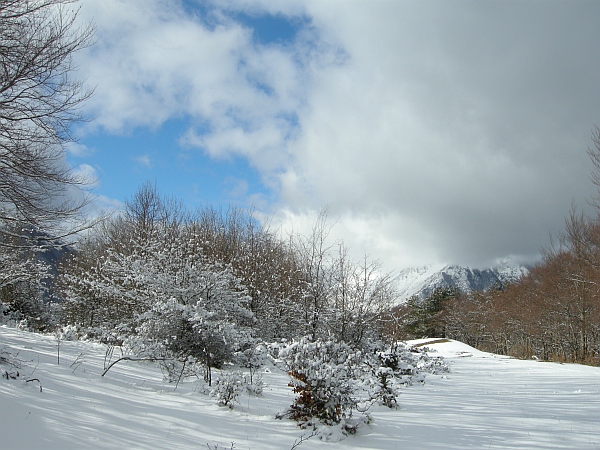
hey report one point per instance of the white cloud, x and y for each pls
(77, 149)
(153, 63)
(436, 131)
(104, 204)
(87, 174)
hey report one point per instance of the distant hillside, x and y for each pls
(423, 280)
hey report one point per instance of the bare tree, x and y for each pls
(314, 253)
(360, 296)
(39, 103)
(594, 154)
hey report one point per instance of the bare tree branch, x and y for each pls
(39, 103)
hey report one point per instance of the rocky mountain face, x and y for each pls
(423, 281)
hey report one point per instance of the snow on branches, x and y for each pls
(332, 380)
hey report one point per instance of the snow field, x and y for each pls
(486, 401)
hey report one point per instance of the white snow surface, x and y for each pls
(486, 401)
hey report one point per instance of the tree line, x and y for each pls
(173, 284)
(157, 251)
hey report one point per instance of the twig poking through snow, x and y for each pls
(302, 439)
(132, 358)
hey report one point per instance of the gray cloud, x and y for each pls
(468, 120)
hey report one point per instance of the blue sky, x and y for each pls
(124, 162)
(435, 132)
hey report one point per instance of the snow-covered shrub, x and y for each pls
(273, 353)
(231, 384)
(332, 380)
(431, 364)
(255, 385)
(174, 370)
(24, 281)
(68, 333)
(408, 363)
(23, 306)
(396, 366)
(386, 387)
(323, 374)
(155, 279)
(10, 364)
(399, 358)
(252, 358)
(191, 334)
(228, 387)
(165, 333)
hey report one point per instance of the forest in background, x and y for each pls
(158, 266)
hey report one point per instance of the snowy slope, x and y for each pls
(414, 281)
(423, 280)
(485, 401)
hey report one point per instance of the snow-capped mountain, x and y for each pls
(422, 281)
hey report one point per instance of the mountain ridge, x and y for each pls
(422, 281)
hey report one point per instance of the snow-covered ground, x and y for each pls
(486, 401)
